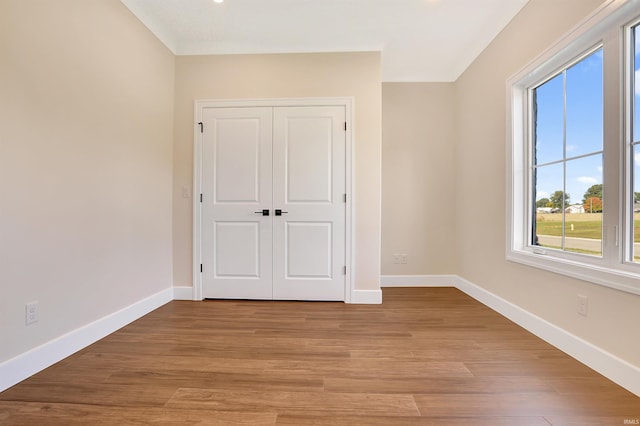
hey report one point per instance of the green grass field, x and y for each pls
(586, 225)
(580, 229)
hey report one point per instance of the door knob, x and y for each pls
(264, 212)
(280, 212)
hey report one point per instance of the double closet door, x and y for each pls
(273, 203)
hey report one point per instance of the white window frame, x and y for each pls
(607, 26)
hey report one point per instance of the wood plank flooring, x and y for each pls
(426, 356)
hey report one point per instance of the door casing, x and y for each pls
(200, 105)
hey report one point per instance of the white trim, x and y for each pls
(183, 293)
(619, 279)
(348, 104)
(417, 281)
(197, 205)
(37, 359)
(350, 240)
(616, 369)
(366, 297)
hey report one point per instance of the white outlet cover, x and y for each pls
(583, 305)
(31, 313)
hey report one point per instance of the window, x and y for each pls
(566, 161)
(574, 144)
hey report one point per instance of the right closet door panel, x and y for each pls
(309, 172)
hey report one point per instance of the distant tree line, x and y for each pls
(591, 201)
(555, 200)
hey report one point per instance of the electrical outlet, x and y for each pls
(186, 191)
(404, 259)
(397, 258)
(583, 305)
(31, 314)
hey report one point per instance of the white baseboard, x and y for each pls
(618, 370)
(183, 293)
(37, 359)
(417, 281)
(366, 297)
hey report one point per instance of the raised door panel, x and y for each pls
(309, 250)
(308, 150)
(237, 152)
(237, 249)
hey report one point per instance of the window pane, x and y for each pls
(636, 203)
(636, 84)
(549, 187)
(635, 132)
(584, 106)
(583, 215)
(549, 121)
(569, 124)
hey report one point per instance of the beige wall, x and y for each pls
(614, 316)
(418, 178)
(284, 76)
(86, 112)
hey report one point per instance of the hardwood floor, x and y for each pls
(426, 356)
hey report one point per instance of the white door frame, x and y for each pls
(346, 102)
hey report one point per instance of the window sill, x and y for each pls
(619, 279)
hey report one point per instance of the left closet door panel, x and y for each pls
(237, 190)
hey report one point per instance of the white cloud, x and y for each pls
(588, 180)
(570, 147)
(636, 158)
(637, 82)
(600, 169)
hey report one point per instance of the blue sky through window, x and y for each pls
(636, 110)
(568, 124)
(636, 118)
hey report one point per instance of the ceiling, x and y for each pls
(420, 40)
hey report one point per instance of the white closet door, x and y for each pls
(309, 187)
(237, 186)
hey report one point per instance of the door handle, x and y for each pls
(280, 212)
(264, 212)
